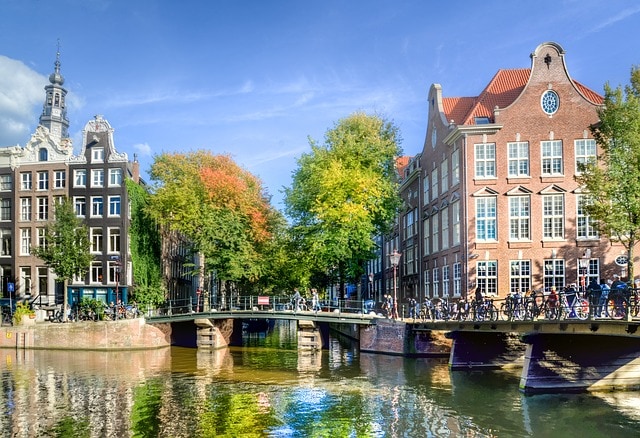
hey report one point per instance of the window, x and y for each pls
(80, 204)
(455, 167)
(435, 230)
(97, 155)
(427, 235)
(488, 276)
(5, 183)
(520, 276)
(115, 177)
(43, 180)
(25, 209)
(455, 213)
(6, 241)
(43, 209)
(97, 178)
(25, 241)
(114, 240)
(436, 282)
(80, 178)
(114, 205)
(425, 189)
(5, 209)
(586, 227)
(486, 218)
(552, 157)
(114, 272)
(445, 227)
(585, 153)
(59, 179)
(96, 240)
(42, 241)
(554, 274)
(485, 160)
(519, 221)
(26, 181)
(427, 283)
(518, 159)
(457, 279)
(43, 154)
(96, 272)
(96, 206)
(445, 281)
(553, 216)
(434, 184)
(444, 171)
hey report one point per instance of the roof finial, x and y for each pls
(55, 77)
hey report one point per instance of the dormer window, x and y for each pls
(482, 120)
(43, 154)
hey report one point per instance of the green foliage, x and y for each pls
(69, 427)
(22, 309)
(147, 409)
(146, 249)
(344, 193)
(613, 183)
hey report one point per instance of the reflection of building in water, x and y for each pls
(309, 361)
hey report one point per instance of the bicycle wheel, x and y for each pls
(581, 308)
(616, 308)
(493, 312)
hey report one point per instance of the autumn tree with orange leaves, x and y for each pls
(218, 206)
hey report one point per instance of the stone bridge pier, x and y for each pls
(206, 333)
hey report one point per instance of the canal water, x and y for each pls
(269, 389)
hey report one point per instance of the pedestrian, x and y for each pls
(315, 301)
(604, 298)
(479, 299)
(296, 299)
(593, 295)
(412, 308)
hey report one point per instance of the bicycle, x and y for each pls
(617, 304)
(485, 311)
(513, 308)
(579, 307)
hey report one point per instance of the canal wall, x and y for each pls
(125, 334)
(395, 337)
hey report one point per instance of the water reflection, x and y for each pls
(268, 388)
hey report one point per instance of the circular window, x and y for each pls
(550, 102)
(622, 260)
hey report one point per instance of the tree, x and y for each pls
(66, 249)
(613, 182)
(344, 193)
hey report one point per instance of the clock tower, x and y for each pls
(54, 111)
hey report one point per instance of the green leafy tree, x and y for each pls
(66, 249)
(344, 192)
(613, 182)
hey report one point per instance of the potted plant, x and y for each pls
(23, 311)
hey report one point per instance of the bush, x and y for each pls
(22, 309)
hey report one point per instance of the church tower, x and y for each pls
(54, 111)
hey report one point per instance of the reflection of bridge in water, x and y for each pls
(555, 356)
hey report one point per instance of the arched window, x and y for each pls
(44, 154)
(56, 101)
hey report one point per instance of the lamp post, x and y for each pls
(394, 258)
(584, 267)
(370, 295)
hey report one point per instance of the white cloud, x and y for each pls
(21, 91)
(143, 149)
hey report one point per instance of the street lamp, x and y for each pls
(394, 258)
(584, 267)
(370, 285)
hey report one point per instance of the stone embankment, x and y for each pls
(127, 334)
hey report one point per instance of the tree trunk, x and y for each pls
(65, 301)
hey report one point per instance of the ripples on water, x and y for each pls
(269, 389)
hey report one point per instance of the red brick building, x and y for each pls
(491, 200)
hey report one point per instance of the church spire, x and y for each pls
(54, 111)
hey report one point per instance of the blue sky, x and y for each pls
(256, 79)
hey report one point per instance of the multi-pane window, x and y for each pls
(585, 153)
(455, 216)
(114, 271)
(435, 231)
(97, 206)
(427, 283)
(6, 241)
(553, 216)
(436, 282)
(485, 160)
(80, 178)
(5, 209)
(97, 178)
(554, 274)
(519, 214)
(520, 276)
(25, 241)
(425, 189)
(96, 272)
(427, 236)
(487, 276)
(486, 218)
(115, 177)
(114, 205)
(586, 227)
(457, 279)
(25, 209)
(96, 240)
(445, 281)
(43, 180)
(59, 179)
(445, 227)
(80, 204)
(97, 155)
(455, 167)
(43, 208)
(26, 181)
(552, 157)
(42, 233)
(114, 239)
(5, 183)
(518, 159)
(444, 171)
(435, 184)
